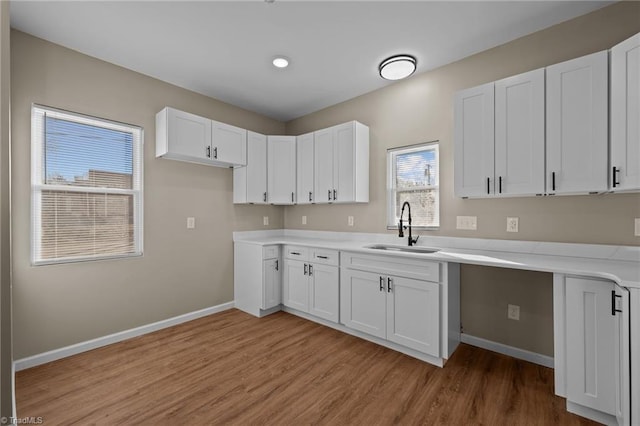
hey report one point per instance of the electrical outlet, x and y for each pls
(513, 312)
(265, 220)
(350, 220)
(512, 224)
(637, 230)
(467, 222)
(191, 223)
(304, 220)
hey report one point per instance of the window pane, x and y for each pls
(424, 206)
(84, 155)
(86, 224)
(416, 169)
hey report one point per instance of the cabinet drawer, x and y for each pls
(296, 252)
(270, 252)
(419, 269)
(326, 257)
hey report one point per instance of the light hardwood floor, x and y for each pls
(232, 368)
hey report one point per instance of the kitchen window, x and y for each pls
(86, 180)
(413, 176)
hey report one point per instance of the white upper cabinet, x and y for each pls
(625, 115)
(474, 141)
(250, 182)
(304, 153)
(577, 125)
(189, 137)
(341, 164)
(519, 134)
(183, 136)
(228, 144)
(281, 169)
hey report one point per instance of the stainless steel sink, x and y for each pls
(409, 249)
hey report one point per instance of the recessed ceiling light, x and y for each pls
(280, 62)
(397, 67)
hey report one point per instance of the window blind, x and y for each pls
(86, 187)
(414, 177)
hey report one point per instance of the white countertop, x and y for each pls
(618, 264)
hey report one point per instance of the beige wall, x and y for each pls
(181, 270)
(420, 109)
(6, 343)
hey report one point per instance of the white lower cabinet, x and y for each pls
(311, 281)
(401, 310)
(257, 280)
(592, 355)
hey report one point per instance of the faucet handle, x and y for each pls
(415, 240)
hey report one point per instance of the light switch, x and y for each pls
(467, 222)
(191, 223)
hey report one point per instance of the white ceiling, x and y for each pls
(224, 49)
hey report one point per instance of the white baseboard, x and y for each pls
(544, 360)
(43, 358)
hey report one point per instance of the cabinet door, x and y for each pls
(590, 344)
(625, 114)
(256, 168)
(577, 123)
(281, 169)
(344, 163)
(413, 314)
(622, 353)
(272, 284)
(474, 141)
(304, 153)
(324, 288)
(189, 134)
(296, 285)
(323, 165)
(519, 138)
(228, 143)
(363, 302)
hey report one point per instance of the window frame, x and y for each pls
(38, 182)
(392, 220)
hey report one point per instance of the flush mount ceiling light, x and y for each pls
(397, 67)
(280, 62)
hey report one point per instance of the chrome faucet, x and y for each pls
(411, 240)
